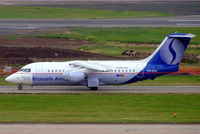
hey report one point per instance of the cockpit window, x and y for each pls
(29, 70)
(25, 70)
(21, 70)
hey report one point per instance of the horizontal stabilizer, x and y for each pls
(181, 35)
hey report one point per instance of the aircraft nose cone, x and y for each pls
(10, 78)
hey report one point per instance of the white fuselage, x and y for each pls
(51, 73)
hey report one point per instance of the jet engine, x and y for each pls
(74, 76)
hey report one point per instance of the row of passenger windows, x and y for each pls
(25, 70)
(56, 71)
(130, 70)
(60, 71)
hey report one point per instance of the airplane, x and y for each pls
(92, 74)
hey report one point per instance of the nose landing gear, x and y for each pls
(20, 87)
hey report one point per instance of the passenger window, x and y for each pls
(59, 70)
(55, 70)
(122, 70)
(52, 71)
(115, 70)
(118, 70)
(133, 70)
(126, 70)
(130, 70)
(48, 70)
(25, 70)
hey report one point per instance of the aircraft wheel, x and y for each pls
(20, 87)
(94, 88)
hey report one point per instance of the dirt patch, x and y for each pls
(192, 70)
(24, 55)
(26, 50)
(22, 51)
(44, 42)
(40, 52)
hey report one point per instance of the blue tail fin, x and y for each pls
(171, 50)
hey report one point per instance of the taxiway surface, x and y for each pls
(178, 21)
(99, 128)
(177, 7)
(102, 89)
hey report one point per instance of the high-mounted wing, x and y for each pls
(91, 66)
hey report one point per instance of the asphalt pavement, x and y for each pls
(102, 89)
(100, 128)
(179, 21)
(176, 7)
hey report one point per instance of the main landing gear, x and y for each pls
(94, 88)
(20, 87)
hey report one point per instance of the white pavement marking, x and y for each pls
(187, 24)
(99, 129)
(184, 20)
(18, 27)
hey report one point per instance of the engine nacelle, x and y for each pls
(74, 76)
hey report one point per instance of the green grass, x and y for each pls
(114, 41)
(25, 12)
(188, 80)
(116, 49)
(132, 35)
(113, 49)
(101, 108)
(5, 83)
(193, 50)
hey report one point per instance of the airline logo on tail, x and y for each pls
(172, 51)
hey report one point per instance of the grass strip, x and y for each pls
(26, 12)
(100, 108)
(116, 49)
(3, 82)
(128, 35)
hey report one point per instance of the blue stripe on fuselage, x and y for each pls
(151, 71)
